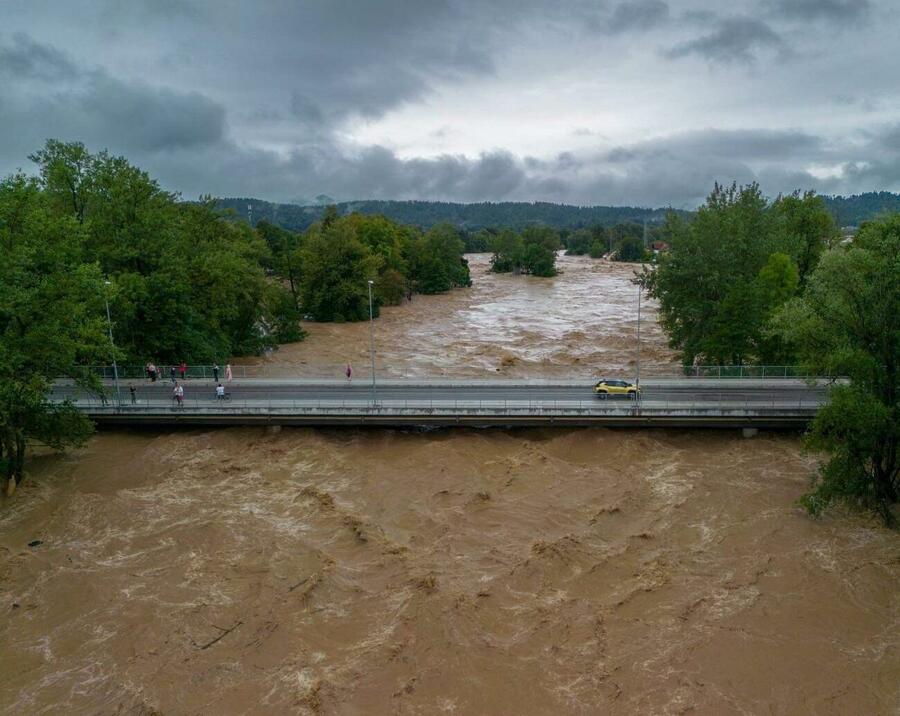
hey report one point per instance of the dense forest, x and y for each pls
(467, 217)
(847, 211)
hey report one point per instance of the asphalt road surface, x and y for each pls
(783, 391)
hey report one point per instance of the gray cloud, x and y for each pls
(275, 100)
(638, 15)
(734, 40)
(26, 59)
(93, 106)
(887, 139)
(830, 10)
(746, 144)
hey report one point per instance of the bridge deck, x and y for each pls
(695, 402)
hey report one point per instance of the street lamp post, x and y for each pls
(372, 343)
(637, 380)
(112, 346)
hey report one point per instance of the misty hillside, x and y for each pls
(848, 211)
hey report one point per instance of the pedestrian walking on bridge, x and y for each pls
(228, 372)
(133, 391)
(216, 372)
(349, 372)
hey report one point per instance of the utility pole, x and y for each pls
(250, 214)
(372, 343)
(112, 345)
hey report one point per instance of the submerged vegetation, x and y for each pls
(532, 252)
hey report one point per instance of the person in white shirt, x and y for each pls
(220, 392)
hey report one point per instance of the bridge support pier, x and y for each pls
(749, 432)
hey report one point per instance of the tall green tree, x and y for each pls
(284, 248)
(336, 269)
(189, 285)
(384, 238)
(509, 252)
(540, 246)
(439, 264)
(709, 284)
(51, 322)
(578, 243)
(847, 322)
(805, 229)
(630, 249)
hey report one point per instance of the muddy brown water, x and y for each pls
(538, 571)
(580, 323)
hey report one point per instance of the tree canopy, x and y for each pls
(847, 322)
(533, 251)
(51, 303)
(187, 284)
(731, 267)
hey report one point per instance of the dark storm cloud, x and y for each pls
(142, 117)
(675, 170)
(638, 15)
(271, 99)
(890, 138)
(733, 40)
(372, 172)
(23, 58)
(739, 143)
(831, 10)
(91, 105)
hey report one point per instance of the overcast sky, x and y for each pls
(641, 102)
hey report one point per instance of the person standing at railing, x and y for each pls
(172, 373)
(182, 369)
(228, 372)
(216, 372)
(349, 373)
(133, 391)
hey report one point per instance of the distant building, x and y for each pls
(659, 246)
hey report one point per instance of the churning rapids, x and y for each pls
(538, 571)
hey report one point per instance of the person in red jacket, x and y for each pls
(182, 369)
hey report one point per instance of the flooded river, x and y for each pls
(538, 571)
(582, 322)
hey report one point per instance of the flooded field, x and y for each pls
(538, 571)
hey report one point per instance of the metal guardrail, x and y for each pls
(731, 404)
(332, 371)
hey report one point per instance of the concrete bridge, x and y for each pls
(676, 402)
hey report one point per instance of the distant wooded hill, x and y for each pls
(848, 211)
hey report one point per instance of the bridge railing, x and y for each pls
(724, 404)
(363, 373)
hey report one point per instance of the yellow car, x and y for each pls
(605, 388)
